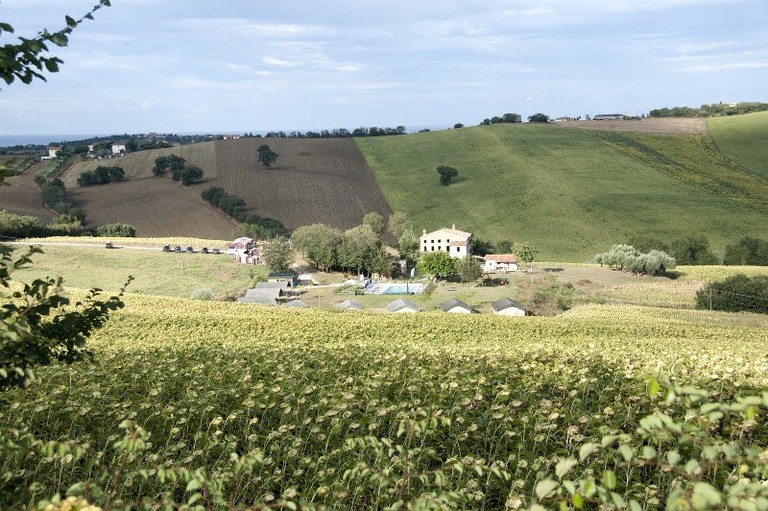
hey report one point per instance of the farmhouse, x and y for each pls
(244, 251)
(456, 243)
(118, 149)
(507, 307)
(52, 151)
(455, 306)
(500, 263)
(400, 306)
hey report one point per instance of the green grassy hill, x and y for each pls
(743, 140)
(570, 192)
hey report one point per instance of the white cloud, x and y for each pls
(274, 61)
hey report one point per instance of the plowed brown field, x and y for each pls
(22, 196)
(314, 180)
(156, 207)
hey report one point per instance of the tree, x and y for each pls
(319, 243)
(397, 224)
(457, 126)
(628, 258)
(538, 117)
(447, 174)
(504, 247)
(278, 254)
(27, 60)
(358, 248)
(408, 245)
(646, 243)
(619, 256)
(654, 262)
(438, 264)
(191, 175)
(375, 221)
(692, 250)
(469, 268)
(526, 252)
(751, 251)
(267, 156)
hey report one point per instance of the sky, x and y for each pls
(236, 66)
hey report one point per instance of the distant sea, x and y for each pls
(12, 140)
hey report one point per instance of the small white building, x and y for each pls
(455, 306)
(400, 306)
(507, 307)
(502, 263)
(118, 149)
(244, 251)
(457, 243)
(350, 305)
(52, 152)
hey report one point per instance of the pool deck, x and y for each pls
(381, 289)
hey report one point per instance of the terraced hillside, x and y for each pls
(570, 192)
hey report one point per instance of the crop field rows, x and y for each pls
(227, 406)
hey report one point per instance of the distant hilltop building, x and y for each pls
(608, 117)
(457, 243)
(52, 152)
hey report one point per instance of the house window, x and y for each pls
(432, 241)
(433, 249)
(439, 241)
(458, 249)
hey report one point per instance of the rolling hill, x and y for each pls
(570, 192)
(313, 181)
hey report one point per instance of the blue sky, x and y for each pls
(235, 65)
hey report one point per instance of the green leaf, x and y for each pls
(70, 21)
(545, 487)
(705, 496)
(673, 458)
(193, 485)
(59, 39)
(626, 452)
(578, 501)
(5, 27)
(564, 466)
(586, 449)
(609, 479)
(653, 388)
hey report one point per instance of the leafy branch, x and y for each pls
(28, 59)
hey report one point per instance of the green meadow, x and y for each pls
(570, 192)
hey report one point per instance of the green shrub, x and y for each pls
(116, 231)
(735, 294)
(202, 294)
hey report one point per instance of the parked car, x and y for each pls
(109, 245)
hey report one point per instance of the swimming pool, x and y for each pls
(397, 289)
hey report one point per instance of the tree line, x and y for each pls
(251, 224)
(711, 110)
(363, 131)
(101, 176)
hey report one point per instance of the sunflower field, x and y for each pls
(209, 405)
